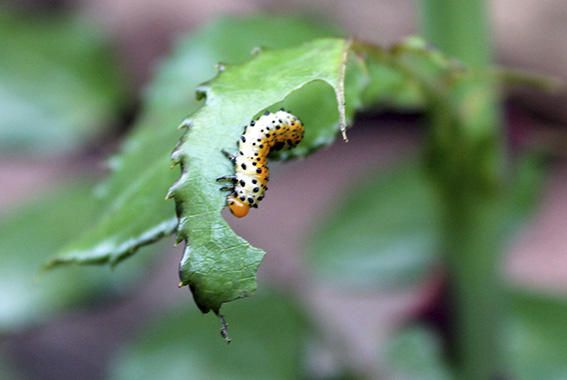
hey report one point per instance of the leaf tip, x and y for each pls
(344, 134)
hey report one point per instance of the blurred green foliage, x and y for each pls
(536, 335)
(33, 232)
(415, 353)
(385, 233)
(268, 336)
(58, 83)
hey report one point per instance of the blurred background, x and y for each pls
(72, 79)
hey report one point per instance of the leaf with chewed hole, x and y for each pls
(219, 265)
(134, 210)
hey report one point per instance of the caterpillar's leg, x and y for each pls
(229, 155)
(231, 178)
(227, 178)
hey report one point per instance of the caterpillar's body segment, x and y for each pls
(272, 131)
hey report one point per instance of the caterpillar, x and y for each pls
(270, 132)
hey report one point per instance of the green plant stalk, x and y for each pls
(473, 244)
(469, 179)
(459, 28)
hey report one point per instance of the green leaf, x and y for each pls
(133, 197)
(536, 336)
(219, 265)
(415, 354)
(58, 83)
(384, 233)
(33, 232)
(267, 337)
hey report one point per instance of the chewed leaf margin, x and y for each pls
(218, 265)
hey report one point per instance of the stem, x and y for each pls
(473, 242)
(471, 210)
(459, 28)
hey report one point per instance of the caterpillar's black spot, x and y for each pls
(255, 190)
(243, 166)
(242, 183)
(258, 170)
(254, 181)
(243, 138)
(242, 198)
(266, 113)
(278, 146)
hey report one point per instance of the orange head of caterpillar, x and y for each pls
(237, 207)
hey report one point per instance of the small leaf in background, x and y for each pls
(133, 196)
(58, 83)
(267, 342)
(384, 233)
(33, 232)
(536, 337)
(218, 265)
(415, 354)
